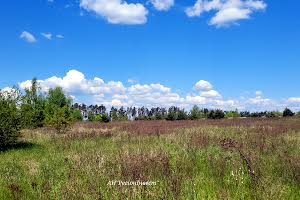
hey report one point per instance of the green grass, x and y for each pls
(188, 163)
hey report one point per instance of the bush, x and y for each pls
(10, 123)
(76, 115)
(105, 118)
(91, 117)
(216, 114)
(58, 110)
(60, 120)
(232, 114)
(288, 113)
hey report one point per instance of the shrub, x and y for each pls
(61, 119)
(105, 118)
(232, 114)
(216, 114)
(76, 115)
(91, 117)
(10, 123)
(98, 118)
(288, 113)
(58, 110)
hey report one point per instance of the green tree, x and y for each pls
(172, 113)
(105, 118)
(32, 107)
(98, 118)
(76, 115)
(91, 116)
(287, 113)
(58, 110)
(216, 114)
(182, 115)
(10, 122)
(196, 113)
(232, 114)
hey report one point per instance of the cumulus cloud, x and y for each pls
(259, 99)
(75, 83)
(27, 36)
(117, 11)
(227, 11)
(47, 35)
(162, 5)
(210, 94)
(203, 85)
(114, 93)
(294, 100)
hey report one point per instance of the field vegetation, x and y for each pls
(199, 159)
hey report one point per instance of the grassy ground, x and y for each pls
(226, 159)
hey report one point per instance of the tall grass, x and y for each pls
(206, 159)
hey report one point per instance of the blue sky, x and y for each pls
(244, 49)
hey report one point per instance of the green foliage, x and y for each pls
(172, 113)
(76, 115)
(232, 114)
(58, 110)
(10, 123)
(182, 115)
(273, 114)
(57, 98)
(105, 118)
(98, 118)
(114, 114)
(288, 113)
(118, 114)
(298, 114)
(91, 117)
(216, 114)
(32, 107)
(60, 119)
(195, 113)
(187, 163)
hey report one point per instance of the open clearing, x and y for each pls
(204, 159)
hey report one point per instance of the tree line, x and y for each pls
(101, 113)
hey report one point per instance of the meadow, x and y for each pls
(252, 158)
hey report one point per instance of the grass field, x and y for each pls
(205, 159)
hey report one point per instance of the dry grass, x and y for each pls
(205, 159)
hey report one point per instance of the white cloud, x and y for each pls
(47, 35)
(60, 36)
(227, 11)
(117, 11)
(258, 93)
(162, 5)
(294, 100)
(203, 85)
(75, 83)
(114, 93)
(28, 37)
(259, 99)
(210, 94)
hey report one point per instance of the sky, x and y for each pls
(225, 54)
